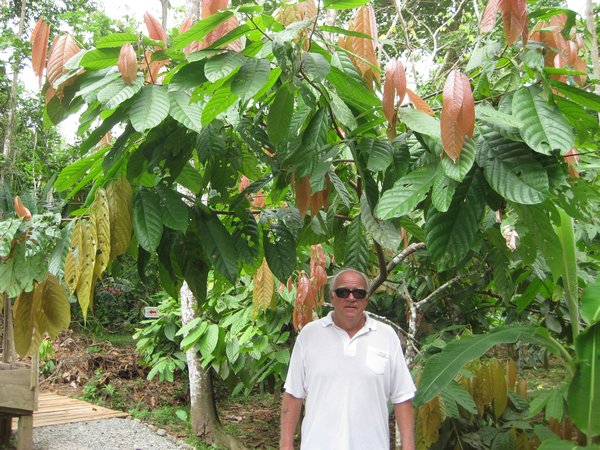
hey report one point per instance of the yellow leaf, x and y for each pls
(40, 322)
(55, 305)
(511, 373)
(500, 400)
(72, 260)
(430, 418)
(23, 322)
(85, 285)
(264, 288)
(100, 215)
(119, 196)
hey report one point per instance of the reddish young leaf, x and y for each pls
(572, 159)
(303, 195)
(458, 114)
(466, 117)
(394, 89)
(581, 66)
(39, 47)
(260, 200)
(127, 63)
(366, 61)
(419, 103)
(209, 7)
(514, 18)
(155, 29)
(63, 48)
(488, 20)
(244, 183)
(453, 94)
(20, 208)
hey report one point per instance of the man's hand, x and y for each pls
(290, 414)
(405, 418)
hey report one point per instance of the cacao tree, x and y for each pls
(338, 149)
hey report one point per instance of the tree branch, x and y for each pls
(420, 304)
(412, 248)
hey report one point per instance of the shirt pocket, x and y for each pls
(377, 359)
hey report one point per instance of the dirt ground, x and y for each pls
(83, 367)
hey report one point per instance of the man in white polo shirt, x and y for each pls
(346, 366)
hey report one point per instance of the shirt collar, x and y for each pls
(370, 324)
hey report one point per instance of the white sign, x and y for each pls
(151, 312)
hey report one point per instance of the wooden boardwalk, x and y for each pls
(54, 409)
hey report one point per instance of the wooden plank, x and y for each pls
(56, 409)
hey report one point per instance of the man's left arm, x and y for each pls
(405, 418)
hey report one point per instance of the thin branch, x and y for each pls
(381, 260)
(437, 292)
(412, 248)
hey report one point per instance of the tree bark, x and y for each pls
(165, 11)
(192, 8)
(12, 101)
(591, 24)
(204, 417)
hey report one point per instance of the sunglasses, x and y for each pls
(358, 294)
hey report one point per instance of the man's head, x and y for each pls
(348, 291)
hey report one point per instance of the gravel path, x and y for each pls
(107, 434)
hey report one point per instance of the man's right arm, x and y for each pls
(290, 414)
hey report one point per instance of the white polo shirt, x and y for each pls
(346, 383)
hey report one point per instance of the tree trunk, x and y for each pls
(203, 410)
(591, 24)
(12, 101)
(165, 11)
(192, 8)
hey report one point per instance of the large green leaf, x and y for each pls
(149, 108)
(8, 229)
(543, 127)
(344, 4)
(352, 91)
(556, 444)
(379, 153)
(510, 168)
(218, 244)
(590, 303)
(223, 65)
(406, 193)
(357, 246)
(583, 398)
(443, 192)
(458, 170)
(581, 97)
(117, 40)
(100, 58)
(341, 112)
(566, 236)
(183, 111)
(280, 114)
(450, 234)
(74, 172)
(316, 66)
(200, 29)
(208, 342)
(251, 78)
(280, 250)
(118, 91)
(220, 102)
(175, 213)
(441, 368)
(536, 219)
(147, 219)
(382, 232)
(420, 122)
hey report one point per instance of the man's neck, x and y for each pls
(350, 327)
